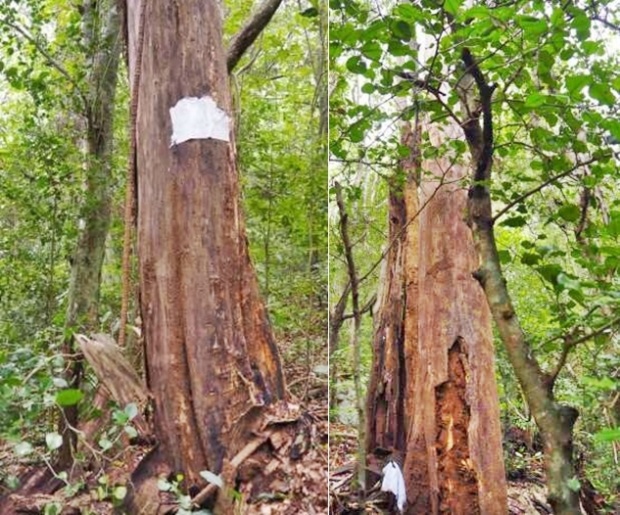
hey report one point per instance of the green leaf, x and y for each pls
(408, 12)
(599, 383)
(105, 443)
(614, 128)
(530, 259)
(573, 484)
(368, 88)
(514, 221)
(569, 212)
(550, 273)
(69, 397)
(581, 23)
(452, 6)
(310, 12)
(60, 382)
(52, 508)
(532, 27)
(53, 441)
(535, 100)
(355, 64)
(402, 30)
(131, 431)
(608, 435)
(23, 449)
(602, 93)
(357, 131)
(504, 256)
(131, 410)
(120, 492)
(575, 83)
(372, 50)
(163, 485)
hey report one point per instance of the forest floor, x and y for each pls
(297, 483)
(527, 493)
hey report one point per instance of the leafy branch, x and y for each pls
(570, 343)
(48, 57)
(546, 183)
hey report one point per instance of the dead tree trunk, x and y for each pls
(455, 437)
(432, 397)
(212, 363)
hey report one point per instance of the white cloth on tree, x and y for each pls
(393, 481)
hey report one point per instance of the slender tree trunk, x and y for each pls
(432, 397)
(354, 340)
(336, 320)
(103, 39)
(555, 421)
(212, 362)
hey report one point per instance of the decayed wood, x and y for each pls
(432, 395)
(454, 331)
(113, 369)
(385, 416)
(211, 359)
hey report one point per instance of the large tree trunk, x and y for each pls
(212, 363)
(433, 399)
(102, 40)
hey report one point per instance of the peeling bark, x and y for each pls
(442, 412)
(212, 362)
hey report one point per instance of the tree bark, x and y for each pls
(432, 397)
(212, 363)
(456, 432)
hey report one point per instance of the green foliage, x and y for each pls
(554, 175)
(280, 90)
(280, 98)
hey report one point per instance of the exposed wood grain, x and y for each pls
(211, 359)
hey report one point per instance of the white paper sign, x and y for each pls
(198, 118)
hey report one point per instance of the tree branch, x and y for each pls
(607, 23)
(250, 31)
(570, 343)
(48, 58)
(551, 180)
(366, 307)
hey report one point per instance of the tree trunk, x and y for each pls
(433, 399)
(212, 363)
(385, 415)
(102, 38)
(555, 421)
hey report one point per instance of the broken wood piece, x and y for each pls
(234, 464)
(116, 374)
